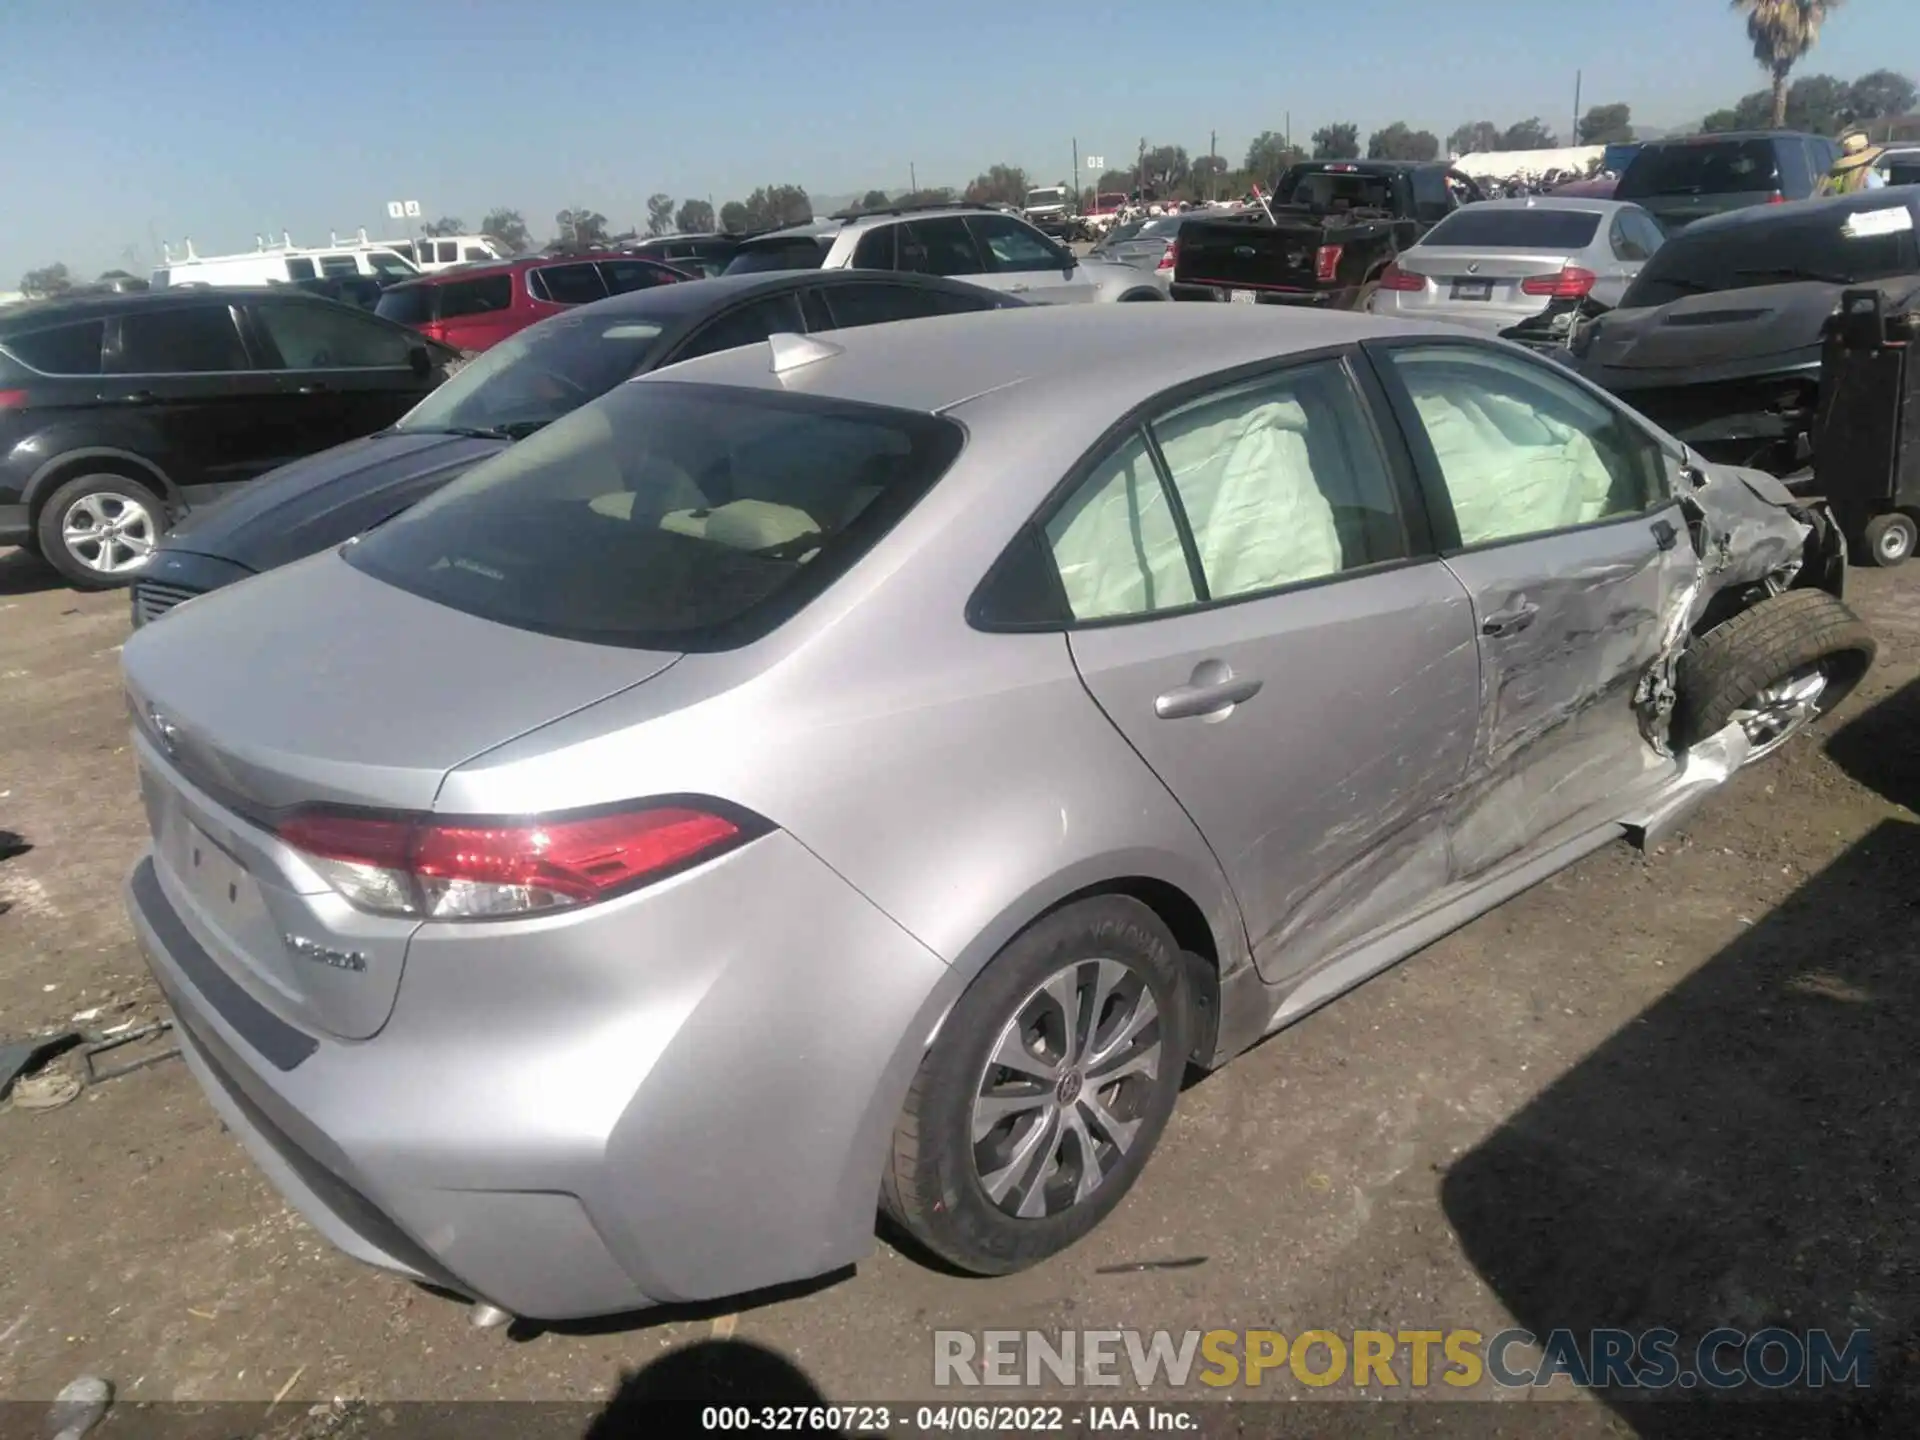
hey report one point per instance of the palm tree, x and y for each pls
(1783, 31)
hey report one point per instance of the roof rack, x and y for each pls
(846, 215)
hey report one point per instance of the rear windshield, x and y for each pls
(1724, 167)
(535, 377)
(1481, 227)
(666, 516)
(1324, 190)
(1842, 247)
(801, 252)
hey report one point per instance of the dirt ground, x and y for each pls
(1673, 1090)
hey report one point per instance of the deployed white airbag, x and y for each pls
(1115, 544)
(1510, 470)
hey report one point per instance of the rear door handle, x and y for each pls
(1510, 622)
(1213, 690)
(318, 387)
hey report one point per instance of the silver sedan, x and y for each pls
(877, 765)
(1501, 264)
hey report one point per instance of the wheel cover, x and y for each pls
(1066, 1087)
(1783, 709)
(109, 534)
(1895, 542)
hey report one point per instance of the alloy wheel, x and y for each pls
(1066, 1088)
(1782, 710)
(109, 534)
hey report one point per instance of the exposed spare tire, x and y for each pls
(1776, 668)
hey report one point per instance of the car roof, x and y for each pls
(480, 269)
(1717, 136)
(1127, 353)
(692, 298)
(1798, 210)
(58, 309)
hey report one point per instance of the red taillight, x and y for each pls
(1326, 262)
(1171, 258)
(1394, 278)
(1572, 283)
(407, 865)
(12, 399)
(1776, 198)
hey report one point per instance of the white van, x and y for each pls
(286, 262)
(441, 252)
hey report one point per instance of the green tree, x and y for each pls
(1399, 141)
(774, 205)
(1529, 134)
(1208, 176)
(1606, 125)
(875, 200)
(1268, 157)
(580, 228)
(1000, 184)
(695, 218)
(446, 225)
(1880, 94)
(734, 217)
(1339, 141)
(933, 195)
(1165, 168)
(1819, 104)
(1783, 32)
(508, 229)
(48, 280)
(659, 213)
(1476, 137)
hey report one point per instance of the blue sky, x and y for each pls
(127, 123)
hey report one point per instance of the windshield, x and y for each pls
(1846, 247)
(1120, 233)
(796, 252)
(1484, 227)
(394, 267)
(666, 517)
(1164, 228)
(1054, 196)
(1324, 190)
(1725, 167)
(537, 376)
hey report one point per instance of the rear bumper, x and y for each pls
(1342, 299)
(15, 527)
(684, 1096)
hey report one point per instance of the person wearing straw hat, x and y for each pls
(1853, 171)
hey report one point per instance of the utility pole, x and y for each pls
(913, 179)
(1289, 134)
(1140, 171)
(1213, 153)
(1578, 76)
(1075, 172)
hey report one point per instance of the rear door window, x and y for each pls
(322, 337)
(666, 516)
(339, 265)
(299, 268)
(748, 325)
(876, 249)
(407, 304)
(199, 340)
(942, 246)
(476, 252)
(567, 284)
(1724, 167)
(876, 303)
(624, 276)
(1626, 246)
(480, 296)
(63, 349)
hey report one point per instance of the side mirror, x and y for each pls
(419, 361)
(1068, 262)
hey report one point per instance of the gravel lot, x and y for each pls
(1675, 1090)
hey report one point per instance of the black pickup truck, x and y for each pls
(1336, 225)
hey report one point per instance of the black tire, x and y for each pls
(933, 1185)
(1140, 295)
(1889, 540)
(111, 495)
(1784, 636)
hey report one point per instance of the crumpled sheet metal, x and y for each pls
(1749, 536)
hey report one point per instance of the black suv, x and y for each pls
(118, 412)
(1688, 179)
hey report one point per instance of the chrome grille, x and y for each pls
(151, 601)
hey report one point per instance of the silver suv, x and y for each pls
(965, 242)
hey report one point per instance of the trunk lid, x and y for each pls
(1704, 333)
(318, 683)
(1251, 256)
(1466, 280)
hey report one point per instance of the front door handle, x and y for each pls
(1510, 622)
(1213, 690)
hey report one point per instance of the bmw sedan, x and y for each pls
(881, 763)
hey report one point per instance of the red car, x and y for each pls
(473, 306)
